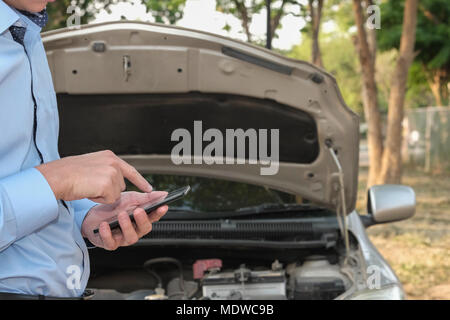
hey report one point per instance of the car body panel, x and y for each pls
(143, 58)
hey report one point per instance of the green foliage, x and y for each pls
(338, 52)
(432, 40)
(244, 10)
(58, 14)
(235, 7)
(339, 11)
(384, 66)
(418, 94)
(339, 59)
(432, 35)
(168, 11)
(241, 9)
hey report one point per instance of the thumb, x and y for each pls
(139, 198)
(156, 196)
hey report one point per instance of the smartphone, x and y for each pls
(171, 197)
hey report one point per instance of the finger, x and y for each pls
(139, 198)
(106, 235)
(143, 225)
(122, 184)
(118, 237)
(154, 216)
(111, 190)
(134, 176)
(118, 184)
(129, 233)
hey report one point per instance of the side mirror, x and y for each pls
(389, 203)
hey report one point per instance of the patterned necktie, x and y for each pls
(18, 33)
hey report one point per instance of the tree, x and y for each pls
(341, 60)
(278, 11)
(313, 14)
(315, 10)
(385, 162)
(244, 10)
(392, 161)
(168, 11)
(432, 45)
(58, 11)
(171, 11)
(370, 98)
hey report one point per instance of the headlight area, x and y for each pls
(388, 292)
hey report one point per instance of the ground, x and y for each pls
(418, 249)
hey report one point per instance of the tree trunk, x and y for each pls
(435, 85)
(372, 38)
(316, 15)
(436, 81)
(245, 19)
(392, 160)
(370, 100)
(275, 20)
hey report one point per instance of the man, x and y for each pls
(47, 204)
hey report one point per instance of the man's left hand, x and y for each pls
(100, 216)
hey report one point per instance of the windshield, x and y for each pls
(211, 196)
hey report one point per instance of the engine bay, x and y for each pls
(237, 274)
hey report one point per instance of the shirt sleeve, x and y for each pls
(81, 209)
(27, 203)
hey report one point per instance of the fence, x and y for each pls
(427, 141)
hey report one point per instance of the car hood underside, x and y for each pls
(127, 86)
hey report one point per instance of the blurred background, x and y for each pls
(391, 60)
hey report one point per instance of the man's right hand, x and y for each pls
(98, 176)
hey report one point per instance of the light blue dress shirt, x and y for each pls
(41, 246)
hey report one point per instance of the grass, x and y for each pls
(418, 249)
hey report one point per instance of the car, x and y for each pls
(266, 218)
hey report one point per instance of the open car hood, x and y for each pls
(127, 86)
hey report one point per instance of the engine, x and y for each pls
(244, 283)
(314, 279)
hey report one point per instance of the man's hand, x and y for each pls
(100, 216)
(97, 176)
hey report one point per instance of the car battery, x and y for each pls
(245, 284)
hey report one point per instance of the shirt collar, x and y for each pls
(40, 18)
(8, 17)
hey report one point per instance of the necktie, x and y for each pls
(18, 33)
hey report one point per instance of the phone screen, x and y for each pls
(149, 207)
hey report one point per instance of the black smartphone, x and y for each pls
(171, 197)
